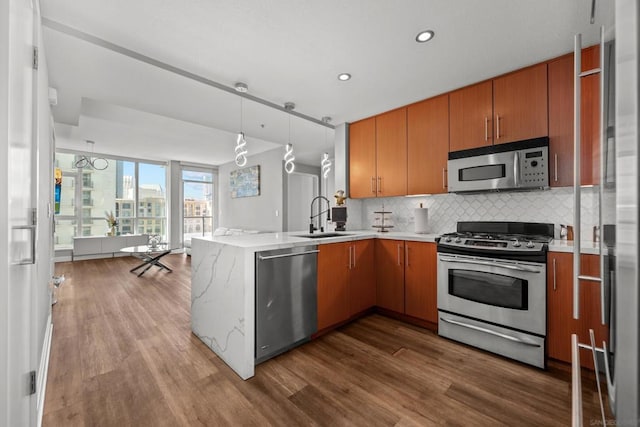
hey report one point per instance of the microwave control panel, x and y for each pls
(535, 167)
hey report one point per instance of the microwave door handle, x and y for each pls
(516, 169)
(492, 264)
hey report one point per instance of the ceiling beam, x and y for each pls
(62, 28)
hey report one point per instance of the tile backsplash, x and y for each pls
(445, 210)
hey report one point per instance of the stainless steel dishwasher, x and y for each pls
(286, 299)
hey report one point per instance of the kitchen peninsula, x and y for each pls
(223, 286)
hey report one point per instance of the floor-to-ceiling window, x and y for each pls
(198, 202)
(133, 191)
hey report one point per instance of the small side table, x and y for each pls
(150, 256)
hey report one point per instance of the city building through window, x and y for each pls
(197, 190)
(87, 195)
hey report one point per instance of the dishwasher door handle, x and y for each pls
(262, 258)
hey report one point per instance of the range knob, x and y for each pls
(530, 244)
(447, 239)
(458, 240)
(516, 243)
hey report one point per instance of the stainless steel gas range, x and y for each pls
(492, 287)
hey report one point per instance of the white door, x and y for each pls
(301, 189)
(17, 155)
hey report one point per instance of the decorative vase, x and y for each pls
(112, 231)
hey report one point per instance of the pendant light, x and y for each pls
(289, 166)
(241, 142)
(325, 163)
(97, 163)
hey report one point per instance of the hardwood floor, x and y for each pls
(123, 355)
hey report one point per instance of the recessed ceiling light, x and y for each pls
(424, 36)
(344, 76)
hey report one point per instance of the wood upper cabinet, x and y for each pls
(378, 156)
(362, 281)
(560, 321)
(391, 153)
(390, 274)
(362, 158)
(470, 120)
(520, 105)
(590, 118)
(428, 145)
(420, 281)
(506, 109)
(561, 120)
(333, 284)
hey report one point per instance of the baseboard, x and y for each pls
(43, 370)
(62, 258)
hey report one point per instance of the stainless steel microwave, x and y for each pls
(522, 165)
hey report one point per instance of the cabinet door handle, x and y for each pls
(399, 262)
(373, 182)
(486, 128)
(354, 256)
(444, 183)
(555, 287)
(497, 126)
(349, 257)
(555, 156)
(379, 184)
(406, 256)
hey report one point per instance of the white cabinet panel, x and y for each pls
(106, 245)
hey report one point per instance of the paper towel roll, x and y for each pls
(421, 216)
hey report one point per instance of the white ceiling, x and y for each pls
(285, 50)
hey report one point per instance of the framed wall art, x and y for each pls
(245, 182)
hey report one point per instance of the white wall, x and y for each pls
(174, 201)
(302, 188)
(4, 220)
(263, 212)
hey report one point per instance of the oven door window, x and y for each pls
(489, 288)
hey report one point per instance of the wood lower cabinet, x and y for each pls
(333, 284)
(420, 281)
(346, 281)
(560, 321)
(362, 282)
(390, 274)
(407, 278)
(561, 72)
(428, 146)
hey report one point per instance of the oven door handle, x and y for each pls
(490, 332)
(492, 264)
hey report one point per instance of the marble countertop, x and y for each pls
(269, 241)
(586, 247)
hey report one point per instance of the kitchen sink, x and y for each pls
(323, 235)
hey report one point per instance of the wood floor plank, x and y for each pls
(123, 355)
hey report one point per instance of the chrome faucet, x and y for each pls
(312, 228)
